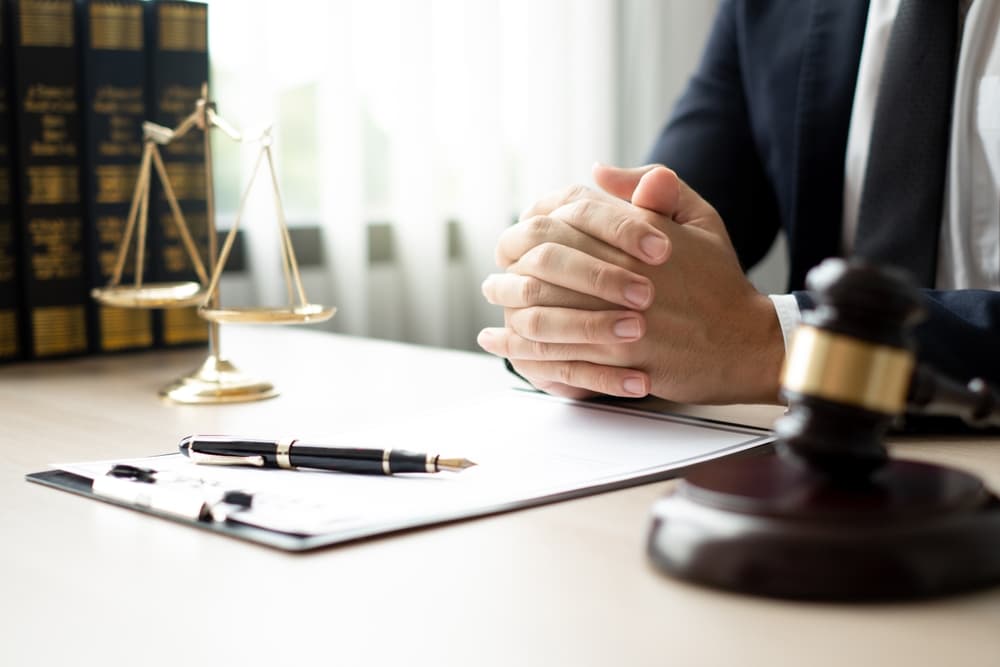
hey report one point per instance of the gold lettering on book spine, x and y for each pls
(56, 244)
(183, 28)
(115, 183)
(124, 328)
(58, 330)
(54, 138)
(119, 100)
(43, 98)
(46, 22)
(8, 333)
(116, 27)
(187, 180)
(122, 107)
(53, 185)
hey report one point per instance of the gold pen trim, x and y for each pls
(282, 453)
(386, 468)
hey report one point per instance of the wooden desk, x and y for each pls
(82, 582)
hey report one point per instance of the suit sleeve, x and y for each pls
(709, 143)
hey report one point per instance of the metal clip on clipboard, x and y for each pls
(142, 487)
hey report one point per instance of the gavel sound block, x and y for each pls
(828, 515)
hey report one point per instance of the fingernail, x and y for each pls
(637, 294)
(627, 328)
(634, 386)
(654, 247)
(485, 287)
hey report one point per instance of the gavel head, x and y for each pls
(848, 368)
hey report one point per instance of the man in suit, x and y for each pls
(797, 118)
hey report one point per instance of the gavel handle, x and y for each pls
(932, 393)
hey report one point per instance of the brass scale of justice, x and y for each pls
(217, 380)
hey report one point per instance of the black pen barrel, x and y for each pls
(368, 461)
(298, 454)
(362, 466)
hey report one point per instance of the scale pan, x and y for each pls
(310, 312)
(152, 295)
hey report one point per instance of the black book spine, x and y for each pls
(9, 299)
(114, 107)
(177, 35)
(48, 152)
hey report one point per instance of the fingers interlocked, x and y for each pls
(572, 297)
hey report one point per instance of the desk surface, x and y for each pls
(564, 584)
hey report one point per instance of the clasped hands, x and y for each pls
(631, 290)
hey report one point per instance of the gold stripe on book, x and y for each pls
(182, 325)
(53, 185)
(115, 183)
(58, 330)
(46, 22)
(183, 28)
(116, 27)
(123, 328)
(8, 333)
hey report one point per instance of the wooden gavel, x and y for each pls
(828, 514)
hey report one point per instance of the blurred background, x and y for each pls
(409, 134)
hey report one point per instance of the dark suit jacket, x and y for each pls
(761, 133)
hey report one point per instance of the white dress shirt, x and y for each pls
(969, 246)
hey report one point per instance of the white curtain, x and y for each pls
(437, 120)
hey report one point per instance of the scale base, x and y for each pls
(769, 526)
(217, 381)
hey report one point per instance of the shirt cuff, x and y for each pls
(789, 315)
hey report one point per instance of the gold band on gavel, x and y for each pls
(843, 369)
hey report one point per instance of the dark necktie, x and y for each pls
(899, 217)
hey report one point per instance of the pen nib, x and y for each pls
(454, 465)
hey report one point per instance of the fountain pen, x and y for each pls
(291, 454)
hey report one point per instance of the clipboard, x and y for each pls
(729, 439)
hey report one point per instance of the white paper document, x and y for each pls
(529, 449)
